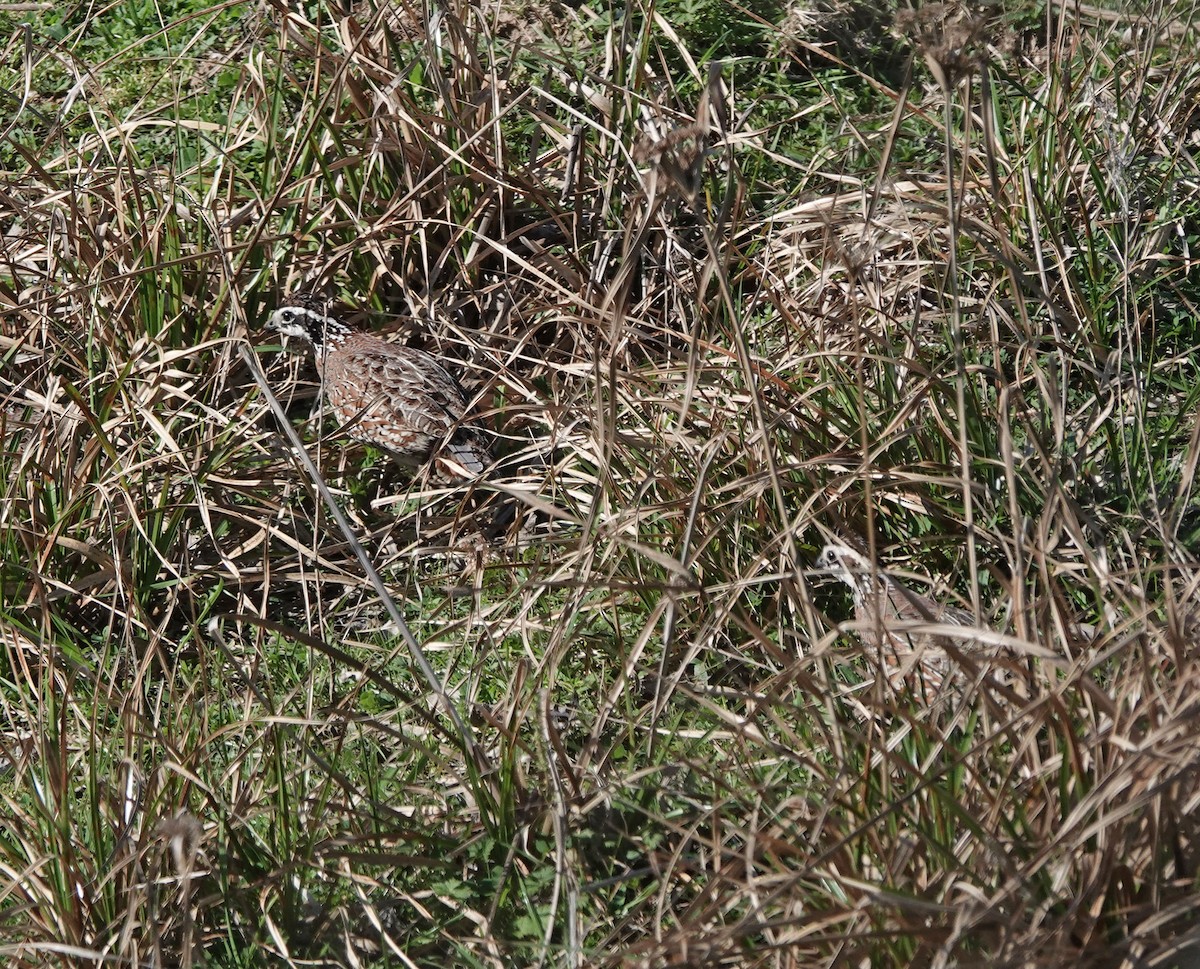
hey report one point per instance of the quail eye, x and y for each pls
(287, 316)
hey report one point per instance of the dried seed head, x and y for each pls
(952, 37)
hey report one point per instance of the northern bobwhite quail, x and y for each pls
(395, 397)
(886, 612)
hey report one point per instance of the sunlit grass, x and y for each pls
(712, 318)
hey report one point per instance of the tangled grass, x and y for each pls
(949, 318)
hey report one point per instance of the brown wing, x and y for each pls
(924, 652)
(442, 408)
(399, 398)
(914, 607)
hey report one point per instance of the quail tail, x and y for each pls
(469, 450)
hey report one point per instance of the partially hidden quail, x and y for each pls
(392, 396)
(886, 612)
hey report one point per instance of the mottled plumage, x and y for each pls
(382, 393)
(886, 612)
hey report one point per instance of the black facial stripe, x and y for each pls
(311, 314)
